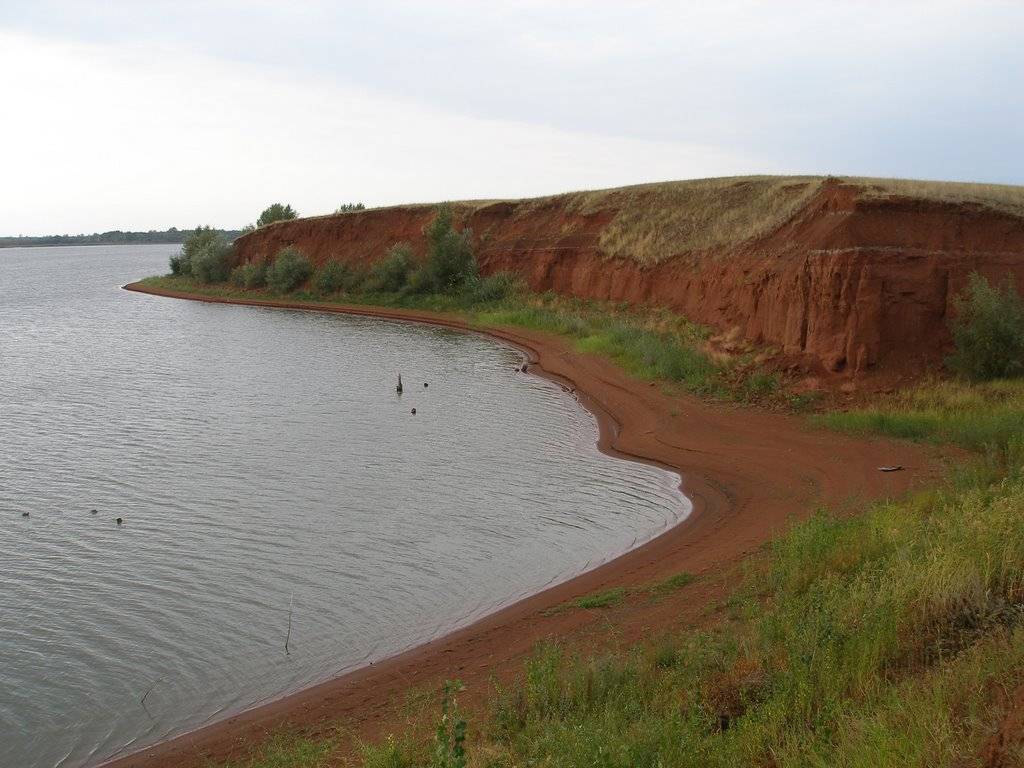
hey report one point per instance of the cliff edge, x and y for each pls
(843, 276)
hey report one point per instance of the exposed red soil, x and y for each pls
(849, 286)
(747, 472)
(1005, 747)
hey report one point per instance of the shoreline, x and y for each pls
(746, 474)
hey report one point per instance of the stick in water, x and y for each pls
(288, 637)
(143, 701)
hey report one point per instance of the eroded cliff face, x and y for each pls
(848, 285)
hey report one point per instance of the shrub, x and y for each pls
(391, 274)
(211, 262)
(988, 332)
(200, 239)
(350, 208)
(276, 212)
(180, 265)
(335, 276)
(496, 287)
(251, 275)
(289, 270)
(450, 260)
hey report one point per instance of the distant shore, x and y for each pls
(747, 472)
(171, 236)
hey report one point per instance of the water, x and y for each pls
(262, 464)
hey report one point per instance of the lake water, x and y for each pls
(264, 467)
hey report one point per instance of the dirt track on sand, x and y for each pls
(747, 472)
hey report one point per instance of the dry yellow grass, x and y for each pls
(1000, 197)
(656, 221)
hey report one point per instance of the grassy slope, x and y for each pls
(889, 638)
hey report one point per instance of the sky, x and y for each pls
(146, 115)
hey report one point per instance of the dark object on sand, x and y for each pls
(398, 389)
(119, 521)
(894, 468)
(413, 411)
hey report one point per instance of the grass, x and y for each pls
(672, 584)
(973, 416)
(605, 599)
(650, 347)
(286, 750)
(1004, 198)
(612, 597)
(653, 222)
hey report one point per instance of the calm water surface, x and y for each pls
(263, 465)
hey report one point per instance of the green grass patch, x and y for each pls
(672, 584)
(605, 599)
(285, 750)
(973, 416)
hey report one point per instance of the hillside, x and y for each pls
(843, 275)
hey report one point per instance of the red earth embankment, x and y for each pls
(845, 283)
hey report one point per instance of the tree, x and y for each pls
(276, 212)
(350, 207)
(450, 260)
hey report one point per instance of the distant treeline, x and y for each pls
(115, 237)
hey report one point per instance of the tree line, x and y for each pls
(113, 237)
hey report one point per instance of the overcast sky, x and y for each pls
(140, 115)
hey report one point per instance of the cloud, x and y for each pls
(325, 101)
(131, 136)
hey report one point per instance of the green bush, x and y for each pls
(988, 332)
(493, 288)
(199, 240)
(391, 274)
(250, 275)
(335, 276)
(276, 212)
(212, 261)
(290, 270)
(450, 260)
(180, 265)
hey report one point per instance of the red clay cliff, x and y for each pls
(847, 284)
